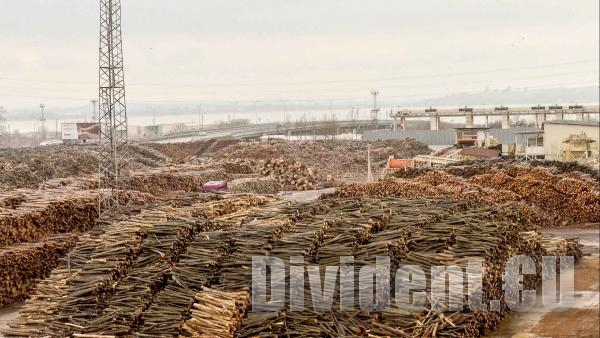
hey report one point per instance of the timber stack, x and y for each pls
(23, 265)
(186, 270)
(42, 213)
(544, 198)
(261, 185)
(291, 175)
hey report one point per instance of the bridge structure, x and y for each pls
(397, 119)
(319, 128)
(581, 112)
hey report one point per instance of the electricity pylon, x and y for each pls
(114, 155)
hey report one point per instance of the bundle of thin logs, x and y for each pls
(544, 198)
(29, 215)
(23, 265)
(41, 213)
(291, 175)
(174, 179)
(231, 167)
(129, 254)
(468, 169)
(216, 314)
(186, 151)
(75, 183)
(452, 240)
(124, 287)
(262, 185)
(336, 158)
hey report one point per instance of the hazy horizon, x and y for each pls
(188, 52)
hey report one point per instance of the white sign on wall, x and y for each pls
(69, 131)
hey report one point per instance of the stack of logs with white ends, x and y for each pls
(291, 175)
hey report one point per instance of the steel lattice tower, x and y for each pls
(112, 110)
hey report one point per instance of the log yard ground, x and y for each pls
(176, 261)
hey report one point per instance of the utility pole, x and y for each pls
(255, 112)
(201, 117)
(43, 122)
(112, 119)
(94, 102)
(369, 167)
(375, 110)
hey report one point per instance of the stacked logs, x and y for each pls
(128, 254)
(468, 169)
(263, 185)
(23, 265)
(216, 314)
(183, 151)
(235, 167)
(337, 158)
(28, 215)
(560, 247)
(119, 290)
(75, 183)
(12, 200)
(42, 213)
(452, 239)
(291, 175)
(543, 198)
(29, 167)
(174, 179)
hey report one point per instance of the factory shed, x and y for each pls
(560, 140)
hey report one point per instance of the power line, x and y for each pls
(366, 99)
(392, 87)
(411, 77)
(363, 99)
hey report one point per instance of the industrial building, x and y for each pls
(571, 140)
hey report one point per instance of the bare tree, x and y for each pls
(2, 114)
(333, 125)
(3, 127)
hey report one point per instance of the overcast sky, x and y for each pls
(244, 50)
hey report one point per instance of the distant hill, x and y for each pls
(514, 97)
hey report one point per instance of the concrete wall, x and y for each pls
(555, 134)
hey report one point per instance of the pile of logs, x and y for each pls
(216, 314)
(451, 239)
(183, 151)
(75, 183)
(185, 268)
(27, 168)
(23, 265)
(335, 158)
(130, 253)
(30, 167)
(42, 213)
(544, 198)
(468, 169)
(263, 185)
(187, 178)
(291, 175)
